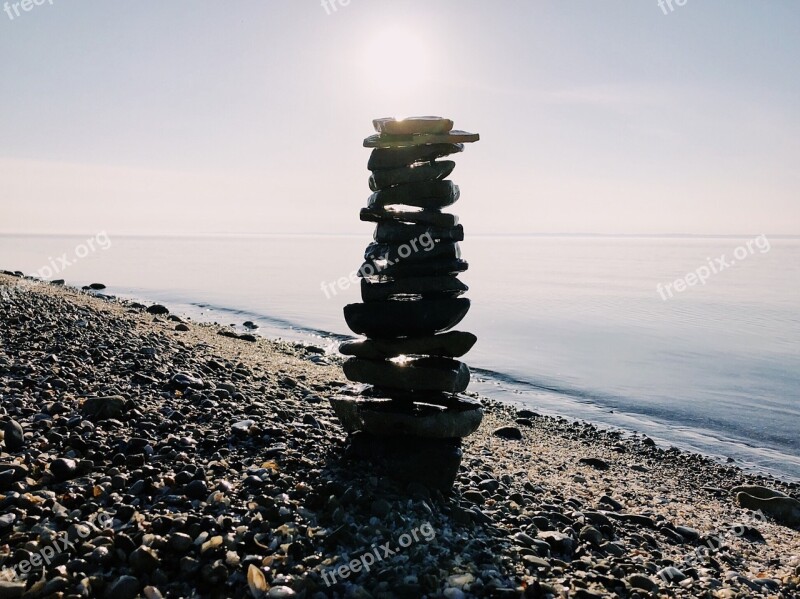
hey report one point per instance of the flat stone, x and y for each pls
(785, 510)
(415, 251)
(418, 217)
(453, 344)
(393, 232)
(398, 157)
(424, 287)
(416, 374)
(429, 268)
(434, 171)
(508, 432)
(431, 195)
(391, 319)
(390, 418)
(381, 140)
(13, 435)
(104, 408)
(412, 125)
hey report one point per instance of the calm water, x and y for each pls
(571, 326)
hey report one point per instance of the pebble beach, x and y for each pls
(145, 454)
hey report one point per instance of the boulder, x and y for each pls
(390, 418)
(381, 140)
(417, 374)
(433, 171)
(453, 344)
(399, 157)
(418, 217)
(433, 286)
(431, 195)
(391, 319)
(412, 125)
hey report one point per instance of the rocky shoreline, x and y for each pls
(148, 455)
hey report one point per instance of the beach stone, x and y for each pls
(433, 218)
(591, 535)
(430, 195)
(417, 374)
(183, 380)
(64, 468)
(144, 560)
(124, 587)
(399, 157)
(459, 418)
(430, 462)
(13, 435)
(157, 309)
(11, 590)
(452, 344)
(785, 510)
(433, 171)
(97, 286)
(394, 232)
(508, 432)
(671, 574)
(640, 581)
(380, 140)
(104, 408)
(412, 125)
(757, 491)
(596, 463)
(405, 269)
(392, 319)
(434, 286)
(415, 252)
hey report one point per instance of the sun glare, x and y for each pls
(396, 61)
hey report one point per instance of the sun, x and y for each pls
(396, 61)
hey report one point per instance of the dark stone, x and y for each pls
(412, 286)
(197, 489)
(459, 418)
(157, 309)
(433, 171)
(405, 318)
(417, 374)
(57, 282)
(452, 344)
(124, 587)
(412, 125)
(182, 380)
(382, 140)
(595, 463)
(426, 269)
(430, 462)
(394, 232)
(418, 217)
(104, 408)
(97, 286)
(63, 468)
(181, 327)
(413, 252)
(508, 432)
(13, 435)
(431, 195)
(400, 157)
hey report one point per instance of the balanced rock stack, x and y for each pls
(408, 413)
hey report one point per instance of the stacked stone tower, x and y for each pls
(408, 413)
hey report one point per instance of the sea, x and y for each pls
(692, 341)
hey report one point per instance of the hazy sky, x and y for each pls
(248, 116)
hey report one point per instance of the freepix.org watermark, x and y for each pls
(101, 241)
(377, 553)
(15, 9)
(425, 241)
(331, 6)
(668, 6)
(713, 267)
(61, 543)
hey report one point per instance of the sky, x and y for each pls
(613, 117)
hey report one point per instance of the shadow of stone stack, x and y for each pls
(409, 413)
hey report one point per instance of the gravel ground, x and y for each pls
(147, 455)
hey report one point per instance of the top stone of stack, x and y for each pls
(416, 131)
